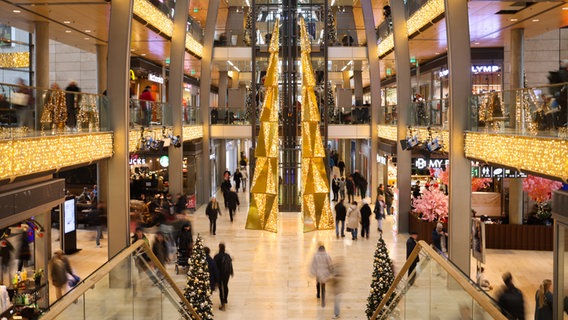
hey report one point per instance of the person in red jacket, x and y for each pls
(146, 98)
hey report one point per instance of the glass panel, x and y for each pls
(149, 113)
(74, 311)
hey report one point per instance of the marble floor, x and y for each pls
(272, 278)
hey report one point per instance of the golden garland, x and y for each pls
(54, 110)
(88, 112)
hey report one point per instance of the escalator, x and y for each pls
(436, 289)
(131, 285)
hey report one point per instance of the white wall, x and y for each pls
(67, 63)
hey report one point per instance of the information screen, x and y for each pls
(69, 215)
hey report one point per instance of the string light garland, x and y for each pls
(39, 154)
(54, 111)
(88, 112)
(429, 12)
(387, 132)
(148, 12)
(546, 156)
(15, 60)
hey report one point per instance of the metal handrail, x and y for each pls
(482, 299)
(87, 284)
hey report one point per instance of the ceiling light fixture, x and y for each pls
(514, 19)
(67, 22)
(88, 31)
(86, 38)
(535, 20)
(67, 31)
(16, 11)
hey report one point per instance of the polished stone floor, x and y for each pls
(272, 278)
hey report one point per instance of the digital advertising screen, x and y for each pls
(69, 215)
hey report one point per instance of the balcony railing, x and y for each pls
(429, 113)
(230, 116)
(538, 111)
(29, 111)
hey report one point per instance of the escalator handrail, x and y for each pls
(57, 308)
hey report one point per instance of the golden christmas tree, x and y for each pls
(263, 211)
(316, 208)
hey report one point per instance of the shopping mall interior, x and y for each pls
(124, 114)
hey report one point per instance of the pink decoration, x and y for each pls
(444, 176)
(433, 205)
(540, 189)
(480, 183)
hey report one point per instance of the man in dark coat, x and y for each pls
(340, 214)
(365, 219)
(510, 299)
(226, 187)
(335, 187)
(237, 178)
(225, 265)
(341, 166)
(213, 270)
(233, 202)
(410, 244)
(350, 186)
(72, 99)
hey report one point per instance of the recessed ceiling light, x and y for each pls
(88, 31)
(535, 20)
(131, 50)
(67, 22)
(16, 11)
(565, 8)
(436, 53)
(67, 31)
(143, 54)
(86, 38)
(514, 19)
(476, 43)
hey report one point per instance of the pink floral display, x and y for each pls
(444, 176)
(433, 205)
(540, 189)
(480, 183)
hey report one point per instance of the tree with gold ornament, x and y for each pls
(198, 288)
(383, 277)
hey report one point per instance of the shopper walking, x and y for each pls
(410, 245)
(73, 100)
(160, 248)
(146, 101)
(342, 188)
(379, 212)
(350, 186)
(226, 187)
(510, 299)
(212, 211)
(184, 240)
(389, 198)
(59, 268)
(224, 263)
(232, 202)
(213, 270)
(322, 269)
(353, 218)
(340, 215)
(335, 187)
(440, 240)
(341, 166)
(365, 219)
(544, 297)
(237, 177)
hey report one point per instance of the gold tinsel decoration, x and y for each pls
(88, 112)
(54, 110)
(263, 210)
(316, 207)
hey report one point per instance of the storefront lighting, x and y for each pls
(26, 156)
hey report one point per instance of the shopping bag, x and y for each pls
(73, 280)
(19, 99)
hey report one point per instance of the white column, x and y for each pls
(459, 62)
(403, 158)
(175, 95)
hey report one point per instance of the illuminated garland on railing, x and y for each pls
(423, 16)
(15, 60)
(546, 156)
(39, 154)
(149, 13)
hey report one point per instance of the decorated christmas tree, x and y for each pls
(383, 277)
(330, 103)
(198, 289)
(432, 205)
(331, 31)
(248, 27)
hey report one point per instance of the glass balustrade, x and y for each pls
(538, 111)
(129, 286)
(29, 111)
(429, 113)
(435, 282)
(149, 113)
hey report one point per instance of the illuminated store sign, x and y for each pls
(155, 78)
(474, 69)
(136, 160)
(381, 159)
(421, 163)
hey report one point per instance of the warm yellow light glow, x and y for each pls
(148, 12)
(547, 156)
(192, 132)
(15, 60)
(387, 132)
(20, 157)
(316, 208)
(423, 16)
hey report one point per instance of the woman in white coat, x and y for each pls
(353, 219)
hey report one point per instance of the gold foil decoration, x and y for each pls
(316, 207)
(263, 210)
